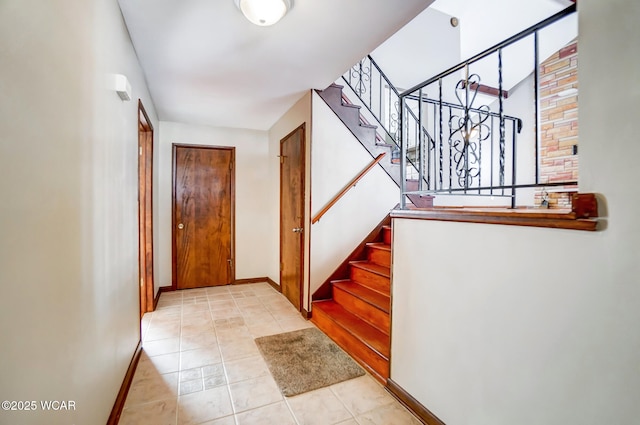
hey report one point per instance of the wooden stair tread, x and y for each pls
(369, 335)
(379, 245)
(374, 298)
(351, 105)
(372, 267)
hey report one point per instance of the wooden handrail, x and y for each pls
(351, 184)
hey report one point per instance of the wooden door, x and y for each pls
(203, 212)
(292, 172)
(145, 210)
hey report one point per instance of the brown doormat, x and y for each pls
(306, 360)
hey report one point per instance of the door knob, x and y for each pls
(180, 226)
(297, 229)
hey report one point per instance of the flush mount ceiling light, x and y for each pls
(264, 12)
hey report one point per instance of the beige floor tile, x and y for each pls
(258, 320)
(222, 304)
(296, 324)
(254, 310)
(146, 319)
(161, 364)
(247, 368)
(190, 374)
(214, 376)
(188, 387)
(241, 289)
(219, 296)
(227, 420)
(167, 302)
(238, 349)
(197, 328)
(161, 346)
(264, 288)
(225, 313)
(214, 381)
(267, 328)
(196, 317)
(390, 414)
(200, 357)
(361, 395)
(230, 323)
(204, 406)
(257, 392)
(217, 289)
(247, 301)
(196, 292)
(165, 331)
(273, 414)
(239, 334)
(273, 300)
(159, 387)
(200, 340)
(161, 412)
(200, 364)
(284, 314)
(169, 313)
(197, 307)
(319, 407)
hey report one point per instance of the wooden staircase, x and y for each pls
(368, 136)
(357, 316)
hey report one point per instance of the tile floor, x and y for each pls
(200, 365)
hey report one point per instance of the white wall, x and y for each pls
(69, 311)
(337, 157)
(298, 114)
(414, 43)
(506, 325)
(483, 27)
(252, 220)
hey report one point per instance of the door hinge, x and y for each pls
(282, 157)
(140, 150)
(230, 261)
(142, 282)
(231, 166)
(281, 266)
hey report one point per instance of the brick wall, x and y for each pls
(559, 123)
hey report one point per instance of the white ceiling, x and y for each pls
(484, 23)
(206, 64)
(431, 45)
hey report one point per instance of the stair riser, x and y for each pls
(371, 280)
(332, 94)
(370, 314)
(358, 350)
(363, 132)
(350, 115)
(379, 256)
(386, 235)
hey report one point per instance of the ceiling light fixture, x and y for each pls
(264, 12)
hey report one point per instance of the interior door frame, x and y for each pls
(303, 166)
(174, 256)
(145, 211)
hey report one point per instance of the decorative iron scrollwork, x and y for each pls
(394, 118)
(467, 131)
(361, 75)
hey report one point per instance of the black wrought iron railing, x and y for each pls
(454, 129)
(381, 98)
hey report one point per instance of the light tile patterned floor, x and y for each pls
(200, 365)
